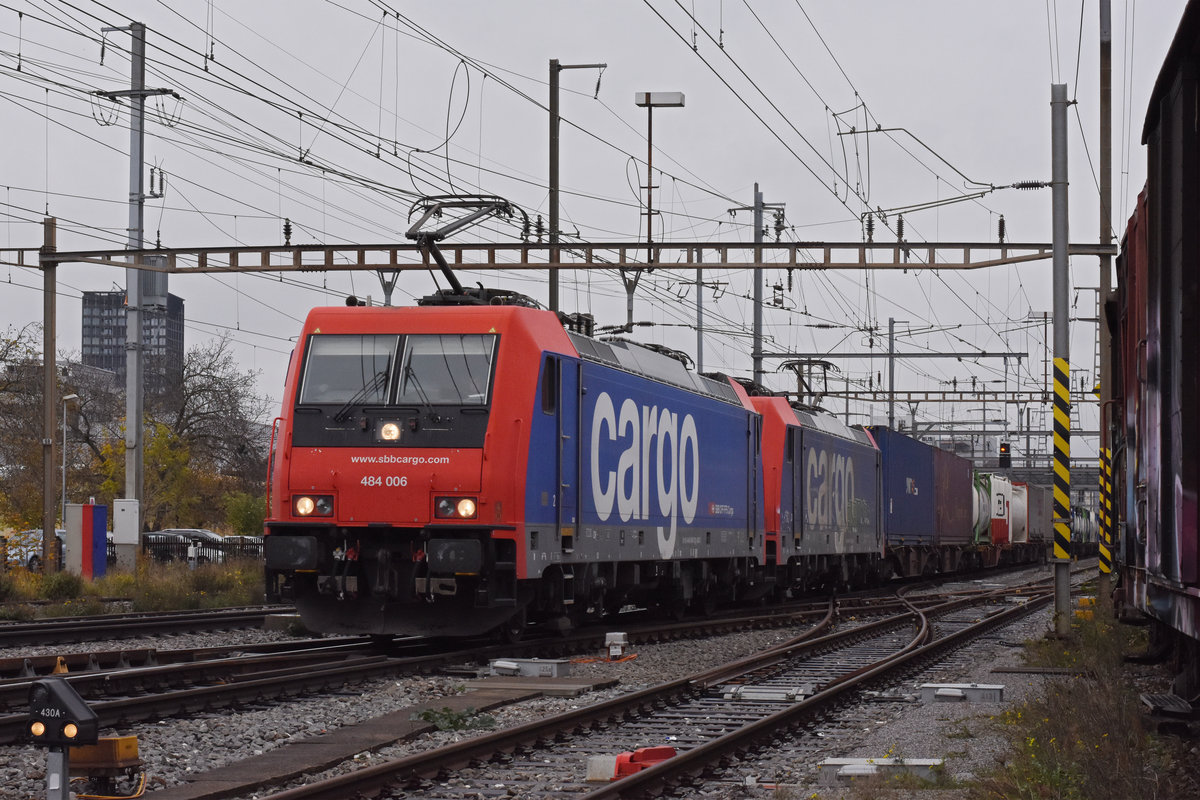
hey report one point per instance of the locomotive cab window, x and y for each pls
(447, 369)
(347, 368)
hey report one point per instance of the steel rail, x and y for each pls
(651, 781)
(80, 629)
(461, 754)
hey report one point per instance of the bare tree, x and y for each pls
(21, 427)
(217, 414)
(207, 436)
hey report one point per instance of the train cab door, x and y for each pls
(754, 511)
(566, 378)
(789, 492)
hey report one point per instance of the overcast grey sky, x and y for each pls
(390, 101)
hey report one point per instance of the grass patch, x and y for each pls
(447, 719)
(150, 587)
(1083, 737)
(17, 612)
(76, 607)
(169, 587)
(22, 586)
(61, 586)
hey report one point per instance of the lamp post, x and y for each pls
(650, 101)
(65, 400)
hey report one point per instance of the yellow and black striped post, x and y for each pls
(1105, 511)
(1062, 460)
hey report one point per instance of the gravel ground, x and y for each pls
(906, 727)
(175, 748)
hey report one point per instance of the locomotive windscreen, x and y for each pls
(344, 367)
(455, 369)
(434, 369)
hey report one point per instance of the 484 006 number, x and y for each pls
(390, 481)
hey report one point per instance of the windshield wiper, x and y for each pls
(376, 383)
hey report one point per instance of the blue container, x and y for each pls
(909, 489)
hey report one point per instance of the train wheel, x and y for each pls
(675, 610)
(513, 630)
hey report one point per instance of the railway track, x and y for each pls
(195, 696)
(693, 714)
(123, 696)
(116, 626)
(186, 681)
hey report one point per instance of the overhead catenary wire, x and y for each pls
(215, 138)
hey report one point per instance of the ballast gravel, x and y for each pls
(894, 723)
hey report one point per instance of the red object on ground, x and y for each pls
(638, 760)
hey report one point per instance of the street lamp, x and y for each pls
(650, 101)
(65, 400)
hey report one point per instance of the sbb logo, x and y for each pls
(655, 441)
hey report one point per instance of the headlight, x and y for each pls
(455, 507)
(389, 432)
(320, 505)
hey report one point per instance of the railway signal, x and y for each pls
(59, 719)
(58, 716)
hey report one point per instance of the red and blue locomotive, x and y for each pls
(456, 469)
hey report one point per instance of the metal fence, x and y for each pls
(201, 551)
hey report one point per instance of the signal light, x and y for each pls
(59, 717)
(1005, 455)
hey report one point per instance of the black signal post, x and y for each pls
(58, 720)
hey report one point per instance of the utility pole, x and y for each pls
(1062, 353)
(758, 285)
(757, 353)
(134, 364)
(891, 374)
(699, 311)
(556, 68)
(1103, 586)
(49, 395)
(134, 360)
(649, 101)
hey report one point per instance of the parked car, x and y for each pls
(24, 548)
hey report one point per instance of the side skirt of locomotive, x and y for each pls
(394, 581)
